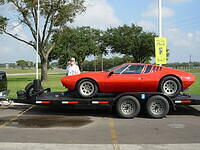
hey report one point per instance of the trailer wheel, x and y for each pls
(128, 107)
(29, 89)
(157, 106)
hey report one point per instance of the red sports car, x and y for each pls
(130, 77)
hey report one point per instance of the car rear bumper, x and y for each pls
(4, 94)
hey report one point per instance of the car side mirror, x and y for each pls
(110, 73)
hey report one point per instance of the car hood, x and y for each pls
(87, 74)
(84, 75)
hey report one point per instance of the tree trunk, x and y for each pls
(80, 64)
(44, 69)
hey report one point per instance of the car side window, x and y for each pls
(133, 69)
(148, 69)
(119, 70)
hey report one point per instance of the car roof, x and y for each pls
(136, 64)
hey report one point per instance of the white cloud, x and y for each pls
(99, 14)
(182, 44)
(17, 29)
(153, 12)
(179, 1)
(147, 25)
(12, 50)
(190, 35)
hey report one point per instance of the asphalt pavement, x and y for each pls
(39, 127)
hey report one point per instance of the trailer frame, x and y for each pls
(159, 102)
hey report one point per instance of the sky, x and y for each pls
(181, 25)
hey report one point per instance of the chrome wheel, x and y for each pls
(170, 87)
(128, 107)
(87, 88)
(157, 107)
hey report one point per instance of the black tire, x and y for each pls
(29, 89)
(91, 88)
(157, 107)
(170, 86)
(124, 112)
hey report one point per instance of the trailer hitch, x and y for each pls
(5, 102)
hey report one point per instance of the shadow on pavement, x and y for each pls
(95, 111)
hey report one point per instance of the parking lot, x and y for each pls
(98, 127)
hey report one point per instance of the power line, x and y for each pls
(184, 22)
(188, 19)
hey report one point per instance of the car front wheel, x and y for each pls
(87, 88)
(170, 86)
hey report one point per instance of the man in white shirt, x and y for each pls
(72, 68)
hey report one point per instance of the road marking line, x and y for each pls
(16, 117)
(113, 134)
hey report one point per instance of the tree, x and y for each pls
(131, 41)
(54, 16)
(108, 63)
(22, 63)
(76, 42)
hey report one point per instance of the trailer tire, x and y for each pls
(128, 107)
(29, 89)
(157, 107)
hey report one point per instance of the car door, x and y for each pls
(125, 79)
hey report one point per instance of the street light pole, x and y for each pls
(37, 39)
(160, 17)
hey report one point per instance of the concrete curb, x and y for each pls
(44, 146)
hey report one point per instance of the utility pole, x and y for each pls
(190, 61)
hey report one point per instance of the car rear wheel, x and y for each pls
(87, 88)
(170, 86)
(128, 107)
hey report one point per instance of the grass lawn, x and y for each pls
(16, 83)
(18, 70)
(195, 88)
(192, 70)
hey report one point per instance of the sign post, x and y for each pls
(160, 42)
(161, 50)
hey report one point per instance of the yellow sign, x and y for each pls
(161, 50)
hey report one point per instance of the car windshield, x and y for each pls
(113, 68)
(127, 69)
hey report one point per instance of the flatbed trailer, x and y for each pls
(126, 105)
